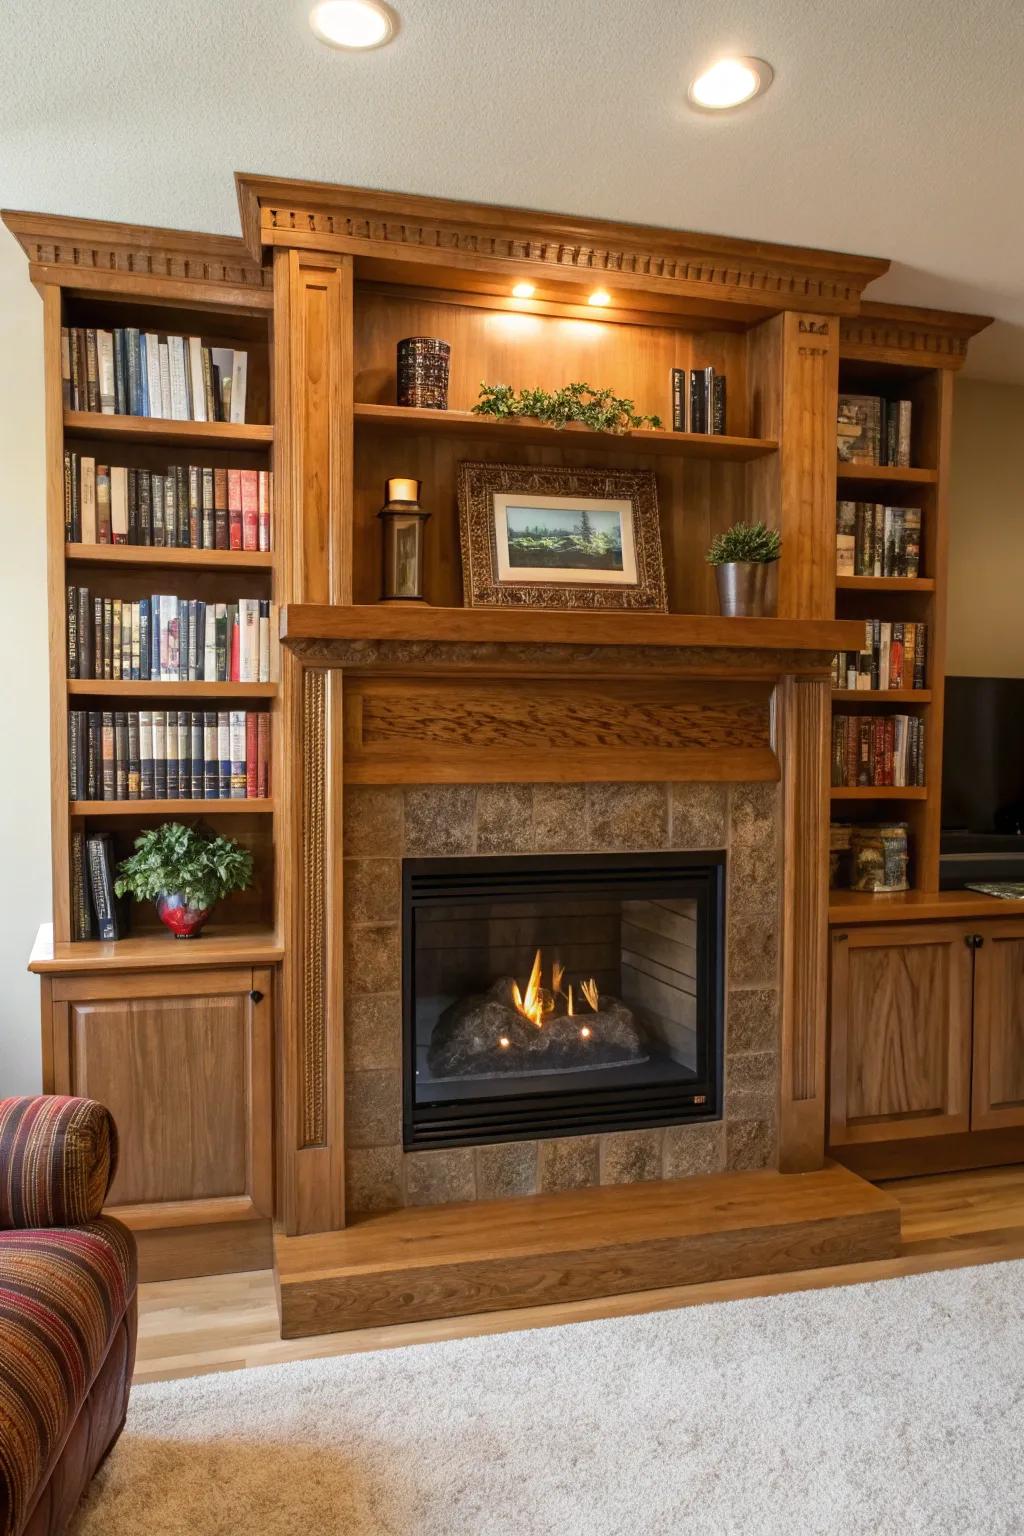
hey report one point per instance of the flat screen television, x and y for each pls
(983, 756)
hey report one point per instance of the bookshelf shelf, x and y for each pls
(883, 696)
(879, 792)
(143, 557)
(122, 689)
(884, 584)
(697, 445)
(91, 808)
(887, 474)
(155, 429)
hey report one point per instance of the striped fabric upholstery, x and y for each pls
(57, 1159)
(63, 1294)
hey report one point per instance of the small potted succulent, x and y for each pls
(741, 557)
(185, 871)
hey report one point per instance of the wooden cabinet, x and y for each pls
(997, 1098)
(184, 1063)
(927, 1040)
(900, 1032)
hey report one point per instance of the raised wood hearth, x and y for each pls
(408, 1266)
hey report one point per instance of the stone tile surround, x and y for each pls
(383, 824)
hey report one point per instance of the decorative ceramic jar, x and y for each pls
(423, 373)
(174, 912)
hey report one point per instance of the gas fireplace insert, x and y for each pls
(558, 995)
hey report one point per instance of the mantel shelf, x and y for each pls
(698, 445)
(532, 626)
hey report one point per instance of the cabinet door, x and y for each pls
(997, 1094)
(900, 1032)
(183, 1063)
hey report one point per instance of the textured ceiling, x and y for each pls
(894, 127)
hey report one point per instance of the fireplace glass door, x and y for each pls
(560, 995)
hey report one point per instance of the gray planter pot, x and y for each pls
(742, 587)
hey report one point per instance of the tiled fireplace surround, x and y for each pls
(384, 824)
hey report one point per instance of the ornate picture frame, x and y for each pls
(549, 536)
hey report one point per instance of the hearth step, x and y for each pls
(447, 1261)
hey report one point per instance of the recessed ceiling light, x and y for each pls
(729, 83)
(351, 23)
(523, 291)
(600, 296)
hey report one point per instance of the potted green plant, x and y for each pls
(185, 871)
(741, 557)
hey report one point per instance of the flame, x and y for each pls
(537, 1004)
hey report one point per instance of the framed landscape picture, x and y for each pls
(553, 537)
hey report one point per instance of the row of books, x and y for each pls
(168, 754)
(186, 506)
(873, 430)
(168, 639)
(128, 372)
(698, 401)
(96, 913)
(894, 655)
(877, 751)
(874, 540)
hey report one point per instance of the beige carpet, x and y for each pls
(869, 1410)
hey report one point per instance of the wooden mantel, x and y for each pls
(305, 626)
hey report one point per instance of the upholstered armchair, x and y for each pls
(67, 1309)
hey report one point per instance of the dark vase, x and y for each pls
(174, 912)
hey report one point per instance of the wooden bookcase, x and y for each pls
(321, 288)
(242, 319)
(903, 353)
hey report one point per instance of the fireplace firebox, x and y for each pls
(560, 995)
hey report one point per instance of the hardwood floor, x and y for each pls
(227, 1322)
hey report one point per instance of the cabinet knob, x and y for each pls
(974, 940)
(255, 997)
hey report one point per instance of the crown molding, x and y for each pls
(936, 337)
(92, 253)
(385, 227)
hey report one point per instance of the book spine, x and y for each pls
(696, 415)
(164, 374)
(68, 517)
(160, 754)
(223, 755)
(195, 375)
(250, 510)
(145, 498)
(239, 377)
(72, 632)
(86, 527)
(234, 509)
(266, 507)
(220, 509)
(718, 405)
(101, 885)
(263, 755)
(134, 756)
(195, 507)
(84, 632)
(104, 518)
(65, 368)
(197, 754)
(209, 511)
(146, 780)
(116, 652)
(184, 755)
(251, 754)
(263, 666)
(94, 757)
(108, 755)
(211, 758)
(236, 750)
(154, 400)
(678, 382)
(92, 371)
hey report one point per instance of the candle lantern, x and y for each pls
(403, 519)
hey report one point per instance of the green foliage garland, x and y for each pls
(599, 409)
(173, 858)
(752, 543)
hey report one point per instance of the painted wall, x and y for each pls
(986, 587)
(24, 722)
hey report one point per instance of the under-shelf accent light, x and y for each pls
(600, 297)
(729, 83)
(352, 23)
(523, 291)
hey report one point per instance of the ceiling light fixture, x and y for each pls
(523, 291)
(351, 23)
(600, 297)
(729, 83)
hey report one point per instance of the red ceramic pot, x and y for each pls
(174, 912)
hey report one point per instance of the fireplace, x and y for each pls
(560, 995)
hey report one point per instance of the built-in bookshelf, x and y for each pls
(897, 361)
(162, 535)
